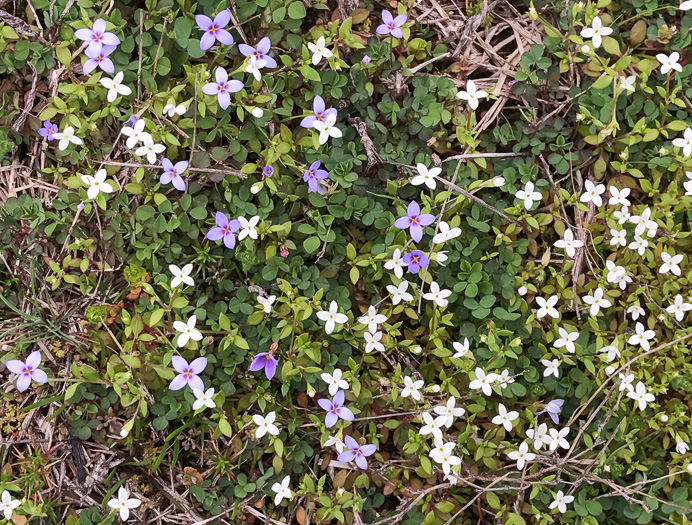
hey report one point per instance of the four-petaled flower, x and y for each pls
(267, 361)
(248, 228)
(679, 308)
(260, 52)
(685, 142)
(391, 25)
(415, 260)
(214, 29)
(432, 426)
(670, 263)
(335, 409)
(528, 195)
(596, 301)
(97, 36)
(437, 295)
(641, 337)
(447, 413)
(412, 388)
(569, 243)
(99, 59)
(123, 503)
(171, 173)
(224, 229)
(254, 66)
(181, 275)
(265, 425)
(27, 370)
(136, 134)
(596, 32)
(356, 452)
(313, 175)
(669, 62)
(445, 233)
(115, 87)
(522, 456)
(566, 339)
(97, 184)
(592, 193)
(187, 331)
(335, 381)
(188, 374)
(547, 307)
(327, 128)
(266, 303)
(320, 113)
(471, 94)
(372, 319)
(399, 293)
(282, 490)
(331, 317)
(483, 382)
(551, 367)
(396, 264)
(203, 399)
(560, 502)
(7, 504)
(414, 221)
(222, 87)
(553, 409)
(426, 176)
(66, 137)
(48, 130)
(539, 435)
(319, 50)
(149, 149)
(641, 396)
(505, 418)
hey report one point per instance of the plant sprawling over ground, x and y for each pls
(309, 261)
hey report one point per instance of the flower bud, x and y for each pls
(522, 290)
(610, 370)
(257, 112)
(436, 388)
(255, 188)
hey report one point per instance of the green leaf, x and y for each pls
(311, 244)
(182, 28)
(296, 11)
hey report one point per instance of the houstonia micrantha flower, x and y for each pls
(415, 260)
(49, 129)
(65, 137)
(214, 29)
(553, 409)
(560, 502)
(187, 331)
(7, 504)
(115, 87)
(97, 184)
(97, 36)
(472, 94)
(327, 128)
(260, 52)
(28, 370)
(266, 361)
(356, 452)
(596, 32)
(224, 229)
(136, 134)
(331, 317)
(282, 490)
(313, 175)
(222, 87)
(391, 25)
(181, 275)
(99, 59)
(335, 409)
(123, 503)
(188, 374)
(414, 221)
(321, 112)
(171, 173)
(319, 50)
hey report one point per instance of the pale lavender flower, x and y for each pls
(366, 60)
(47, 130)
(188, 374)
(99, 59)
(80, 206)
(553, 408)
(222, 87)
(214, 29)
(224, 229)
(267, 361)
(260, 52)
(27, 370)
(335, 409)
(321, 113)
(97, 36)
(356, 452)
(172, 173)
(268, 171)
(414, 221)
(391, 25)
(415, 260)
(313, 174)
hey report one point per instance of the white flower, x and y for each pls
(462, 349)
(437, 295)
(181, 275)
(635, 310)
(626, 382)
(396, 264)
(331, 317)
(551, 367)
(319, 50)
(483, 381)
(641, 396)
(498, 181)
(558, 438)
(115, 87)
(7, 504)
(136, 134)
(669, 62)
(679, 307)
(282, 490)
(613, 352)
(686, 5)
(505, 418)
(644, 223)
(472, 94)
(596, 32)
(617, 274)
(431, 427)
(65, 137)
(172, 110)
(505, 379)
(97, 184)
(619, 237)
(266, 303)
(592, 193)
(327, 129)
(528, 195)
(447, 413)
(372, 342)
(639, 245)
(372, 319)
(670, 263)
(149, 149)
(335, 442)
(566, 339)
(335, 381)
(547, 307)
(426, 176)
(265, 425)
(123, 503)
(522, 455)
(440, 257)
(561, 501)
(568, 243)
(627, 84)
(254, 65)
(399, 293)
(681, 447)
(445, 457)
(685, 143)
(540, 436)
(445, 233)
(619, 196)
(641, 337)
(411, 388)
(596, 301)
(204, 399)
(622, 215)
(187, 331)
(248, 228)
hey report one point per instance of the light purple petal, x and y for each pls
(178, 382)
(387, 17)
(554, 417)
(203, 21)
(165, 178)
(167, 164)
(109, 39)
(99, 26)
(330, 420)
(426, 219)
(361, 461)
(34, 359)
(179, 364)
(382, 29)
(416, 232)
(107, 65)
(258, 362)
(39, 376)
(264, 45)
(368, 450)
(339, 398)
(345, 414)
(246, 50)
(325, 404)
(229, 242)
(221, 219)
(84, 34)
(350, 442)
(181, 166)
(95, 47)
(215, 234)
(234, 225)
(234, 86)
(223, 18)
(346, 456)
(413, 209)
(206, 41)
(89, 66)
(402, 223)
(224, 99)
(318, 104)
(321, 174)
(107, 50)
(221, 75)
(211, 88)
(313, 185)
(397, 33)
(307, 122)
(271, 63)
(15, 366)
(270, 368)
(23, 383)
(179, 183)
(196, 383)
(198, 365)
(224, 37)
(400, 20)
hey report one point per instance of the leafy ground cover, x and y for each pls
(287, 261)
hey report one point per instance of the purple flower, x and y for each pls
(335, 409)
(214, 29)
(356, 452)
(366, 60)
(188, 374)
(391, 26)
(225, 228)
(80, 206)
(553, 408)
(47, 130)
(313, 174)
(222, 87)
(99, 59)
(321, 113)
(415, 261)
(260, 52)
(172, 173)
(27, 370)
(415, 221)
(131, 121)
(268, 171)
(97, 37)
(267, 361)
